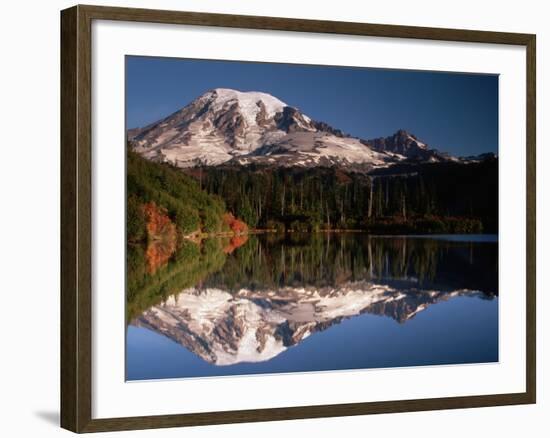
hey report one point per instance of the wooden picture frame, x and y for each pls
(76, 217)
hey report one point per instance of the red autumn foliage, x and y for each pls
(234, 224)
(158, 253)
(158, 222)
(162, 236)
(235, 242)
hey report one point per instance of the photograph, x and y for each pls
(295, 218)
(267, 219)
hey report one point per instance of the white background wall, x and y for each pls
(29, 214)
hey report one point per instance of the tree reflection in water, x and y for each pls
(247, 301)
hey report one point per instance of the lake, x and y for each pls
(276, 303)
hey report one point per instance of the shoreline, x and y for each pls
(257, 231)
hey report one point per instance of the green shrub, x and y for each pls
(135, 221)
(172, 190)
(211, 220)
(187, 219)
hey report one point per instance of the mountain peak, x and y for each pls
(248, 101)
(406, 136)
(225, 125)
(406, 144)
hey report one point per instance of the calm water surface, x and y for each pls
(311, 302)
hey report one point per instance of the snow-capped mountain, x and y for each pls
(214, 128)
(226, 328)
(229, 126)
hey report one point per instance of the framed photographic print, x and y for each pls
(267, 218)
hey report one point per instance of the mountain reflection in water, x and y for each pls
(251, 304)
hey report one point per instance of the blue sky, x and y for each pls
(454, 112)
